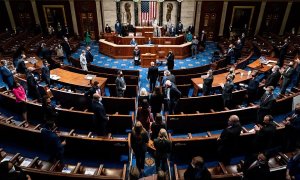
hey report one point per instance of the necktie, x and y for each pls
(266, 98)
(168, 93)
(287, 69)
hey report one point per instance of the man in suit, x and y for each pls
(297, 72)
(53, 144)
(156, 32)
(118, 28)
(107, 29)
(170, 60)
(238, 49)
(194, 47)
(197, 170)
(50, 114)
(266, 104)
(88, 55)
(191, 29)
(89, 94)
(32, 85)
(21, 67)
(256, 168)
(172, 95)
(264, 134)
(202, 38)
(10, 171)
(136, 56)
(179, 28)
(45, 76)
(172, 31)
(230, 58)
(167, 76)
(207, 82)
(120, 84)
(229, 139)
(292, 126)
(273, 78)
(252, 87)
(287, 77)
(152, 75)
(7, 75)
(66, 47)
(282, 53)
(100, 117)
(227, 91)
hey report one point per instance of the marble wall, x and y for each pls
(188, 8)
(109, 12)
(166, 9)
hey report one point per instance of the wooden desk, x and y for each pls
(75, 79)
(262, 68)
(220, 78)
(38, 65)
(146, 59)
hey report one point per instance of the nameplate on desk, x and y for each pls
(66, 170)
(25, 163)
(54, 77)
(89, 171)
(90, 76)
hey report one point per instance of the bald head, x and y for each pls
(96, 96)
(233, 119)
(168, 83)
(152, 63)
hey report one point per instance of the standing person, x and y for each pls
(273, 78)
(152, 75)
(287, 77)
(230, 58)
(139, 139)
(66, 47)
(88, 55)
(107, 29)
(21, 99)
(49, 112)
(7, 75)
(9, 171)
(207, 82)
(83, 62)
(227, 91)
(172, 31)
(89, 94)
(228, 139)
(189, 37)
(60, 52)
(202, 39)
(266, 104)
(136, 56)
(163, 150)
(100, 117)
(282, 53)
(53, 144)
(144, 115)
(173, 95)
(156, 126)
(297, 72)
(179, 28)
(32, 85)
(252, 88)
(170, 60)
(156, 101)
(45, 76)
(195, 43)
(293, 166)
(118, 28)
(87, 38)
(197, 170)
(156, 32)
(120, 84)
(21, 67)
(143, 95)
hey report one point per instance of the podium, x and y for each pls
(146, 59)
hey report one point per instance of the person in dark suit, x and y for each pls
(293, 166)
(9, 171)
(194, 47)
(21, 67)
(202, 38)
(197, 170)
(156, 126)
(252, 87)
(156, 101)
(237, 50)
(120, 84)
(287, 77)
(7, 75)
(149, 42)
(49, 112)
(45, 76)
(32, 85)
(228, 139)
(265, 134)
(273, 78)
(170, 60)
(139, 139)
(227, 91)
(54, 146)
(172, 95)
(256, 168)
(168, 76)
(163, 150)
(66, 47)
(89, 94)
(88, 55)
(230, 58)
(152, 75)
(282, 53)
(292, 126)
(243, 39)
(100, 118)
(172, 31)
(207, 82)
(179, 28)
(107, 29)
(191, 29)
(118, 28)
(266, 104)
(136, 56)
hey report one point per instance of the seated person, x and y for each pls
(149, 42)
(133, 42)
(136, 55)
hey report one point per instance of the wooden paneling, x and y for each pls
(66, 6)
(87, 18)
(211, 13)
(293, 20)
(23, 14)
(5, 23)
(230, 7)
(273, 15)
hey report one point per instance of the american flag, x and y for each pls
(148, 9)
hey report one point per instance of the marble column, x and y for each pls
(198, 16)
(223, 18)
(286, 16)
(178, 12)
(73, 14)
(161, 11)
(10, 14)
(136, 14)
(118, 8)
(99, 17)
(35, 12)
(260, 16)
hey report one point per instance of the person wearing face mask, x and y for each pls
(100, 118)
(292, 126)
(207, 82)
(120, 84)
(8, 171)
(7, 74)
(287, 77)
(228, 139)
(273, 78)
(266, 104)
(107, 29)
(256, 168)
(89, 94)
(227, 91)
(264, 134)
(197, 170)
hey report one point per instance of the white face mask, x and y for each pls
(12, 170)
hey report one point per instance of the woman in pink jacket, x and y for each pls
(21, 98)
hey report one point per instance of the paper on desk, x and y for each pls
(25, 61)
(270, 65)
(25, 163)
(5, 159)
(66, 170)
(89, 171)
(54, 77)
(271, 61)
(200, 86)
